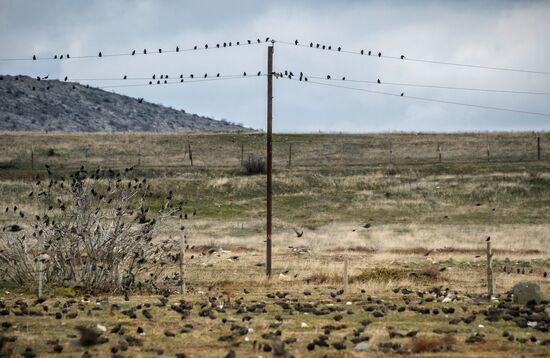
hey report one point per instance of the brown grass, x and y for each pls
(432, 343)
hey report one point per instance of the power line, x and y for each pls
(402, 95)
(144, 52)
(370, 53)
(346, 79)
(235, 77)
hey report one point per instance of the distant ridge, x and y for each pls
(88, 109)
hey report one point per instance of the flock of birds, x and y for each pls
(130, 323)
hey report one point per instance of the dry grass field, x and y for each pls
(427, 224)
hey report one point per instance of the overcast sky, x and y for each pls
(511, 34)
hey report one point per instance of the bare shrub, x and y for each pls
(95, 231)
(254, 165)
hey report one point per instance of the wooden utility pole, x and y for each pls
(269, 157)
(490, 277)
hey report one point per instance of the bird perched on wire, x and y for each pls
(177, 49)
(34, 57)
(379, 54)
(296, 42)
(133, 52)
(378, 81)
(339, 49)
(328, 77)
(402, 57)
(145, 51)
(402, 94)
(100, 54)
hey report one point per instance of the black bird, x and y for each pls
(238, 43)
(178, 49)
(55, 57)
(45, 78)
(339, 49)
(218, 45)
(330, 47)
(206, 46)
(402, 57)
(318, 45)
(343, 78)
(266, 39)
(402, 94)
(362, 52)
(68, 56)
(145, 51)
(217, 75)
(133, 52)
(379, 81)
(324, 47)
(258, 40)
(38, 78)
(150, 82)
(244, 74)
(259, 73)
(191, 76)
(100, 54)
(370, 53)
(249, 42)
(160, 50)
(367, 225)
(545, 274)
(311, 44)
(66, 78)
(154, 76)
(161, 77)
(379, 54)
(299, 233)
(125, 77)
(205, 75)
(296, 42)
(328, 77)
(34, 57)
(140, 100)
(488, 238)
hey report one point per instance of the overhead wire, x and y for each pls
(318, 46)
(402, 95)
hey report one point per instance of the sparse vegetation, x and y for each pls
(409, 235)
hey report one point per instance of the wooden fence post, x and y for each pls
(190, 153)
(488, 153)
(439, 151)
(139, 157)
(32, 159)
(391, 153)
(242, 154)
(490, 277)
(183, 288)
(290, 155)
(538, 148)
(346, 263)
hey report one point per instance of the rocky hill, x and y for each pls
(27, 104)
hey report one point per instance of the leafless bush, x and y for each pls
(254, 165)
(94, 231)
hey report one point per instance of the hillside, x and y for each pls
(64, 106)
